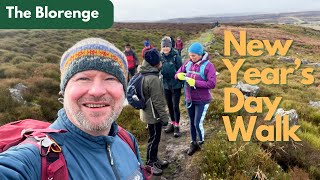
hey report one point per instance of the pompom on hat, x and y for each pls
(93, 54)
(196, 48)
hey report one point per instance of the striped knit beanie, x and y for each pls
(93, 54)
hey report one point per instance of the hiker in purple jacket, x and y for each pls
(200, 76)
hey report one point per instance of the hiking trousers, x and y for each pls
(197, 113)
(179, 51)
(153, 142)
(173, 100)
(131, 73)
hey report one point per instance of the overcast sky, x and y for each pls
(152, 10)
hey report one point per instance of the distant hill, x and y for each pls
(307, 17)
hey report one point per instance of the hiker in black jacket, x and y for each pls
(171, 62)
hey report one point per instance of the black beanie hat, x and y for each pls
(152, 56)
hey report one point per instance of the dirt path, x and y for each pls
(174, 150)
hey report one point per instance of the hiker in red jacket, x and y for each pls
(179, 45)
(132, 60)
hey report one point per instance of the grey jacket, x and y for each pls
(153, 91)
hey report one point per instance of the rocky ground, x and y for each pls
(174, 150)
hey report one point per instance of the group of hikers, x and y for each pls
(133, 60)
(84, 141)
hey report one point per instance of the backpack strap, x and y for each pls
(175, 61)
(175, 58)
(53, 164)
(124, 135)
(188, 66)
(202, 68)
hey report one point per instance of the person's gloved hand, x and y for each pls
(181, 76)
(191, 81)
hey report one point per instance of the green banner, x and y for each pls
(56, 14)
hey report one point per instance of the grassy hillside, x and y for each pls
(302, 18)
(31, 57)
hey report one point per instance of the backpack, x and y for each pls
(169, 68)
(202, 68)
(135, 95)
(173, 42)
(53, 164)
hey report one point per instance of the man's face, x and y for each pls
(93, 100)
(127, 48)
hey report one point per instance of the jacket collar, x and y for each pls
(205, 57)
(146, 67)
(63, 122)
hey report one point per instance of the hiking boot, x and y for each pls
(176, 131)
(162, 164)
(169, 128)
(200, 143)
(193, 148)
(154, 169)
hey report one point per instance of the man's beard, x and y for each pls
(87, 125)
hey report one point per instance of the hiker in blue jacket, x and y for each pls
(171, 63)
(93, 83)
